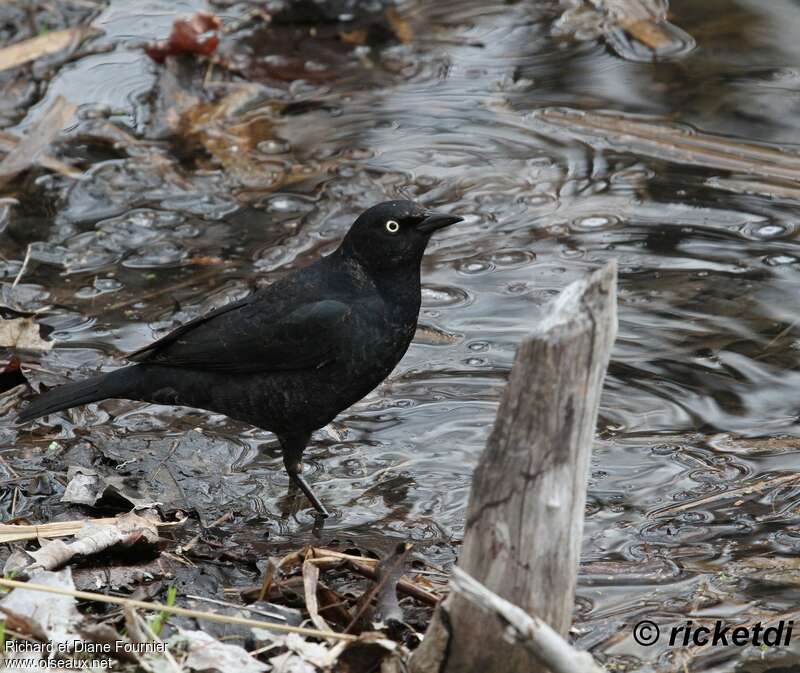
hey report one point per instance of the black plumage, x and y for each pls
(290, 357)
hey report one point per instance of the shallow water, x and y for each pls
(703, 392)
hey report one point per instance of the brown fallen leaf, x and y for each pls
(434, 336)
(22, 334)
(196, 34)
(43, 45)
(648, 32)
(31, 149)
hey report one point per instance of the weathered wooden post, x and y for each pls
(525, 514)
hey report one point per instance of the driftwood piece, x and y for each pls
(43, 45)
(524, 629)
(525, 515)
(661, 139)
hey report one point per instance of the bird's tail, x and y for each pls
(113, 384)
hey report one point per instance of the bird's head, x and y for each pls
(393, 234)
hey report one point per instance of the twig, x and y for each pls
(228, 604)
(266, 583)
(174, 610)
(23, 268)
(530, 631)
(11, 470)
(191, 543)
(17, 532)
(743, 490)
(403, 586)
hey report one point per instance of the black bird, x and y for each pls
(291, 356)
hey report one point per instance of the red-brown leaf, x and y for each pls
(196, 34)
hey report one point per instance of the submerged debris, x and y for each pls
(673, 142)
(32, 149)
(47, 44)
(637, 30)
(22, 334)
(47, 613)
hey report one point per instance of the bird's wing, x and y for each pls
(246, 337)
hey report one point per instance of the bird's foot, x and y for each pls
(306, 489)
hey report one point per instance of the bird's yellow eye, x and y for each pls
(392, 227)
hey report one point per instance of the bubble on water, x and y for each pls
(444, 295)
(539, 200)
(166, 253)
(478, 346)
(764, 231)
(475, 266)
(517, 288)
(100, 286)
(771, 230)
(474, 362)
(780, 260)
(632, 176)
(596, 223)
(572, 253)
(288, 203)
(513, 258)
(273, 146)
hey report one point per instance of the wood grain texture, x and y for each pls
(525, 515)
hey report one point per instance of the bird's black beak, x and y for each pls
(434, 221)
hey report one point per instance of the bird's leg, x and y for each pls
(293, 447)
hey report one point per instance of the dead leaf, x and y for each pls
(310, 580)
(196, 34)
(301, 656)
(390, 570)
(388, 573)
(22, 334)
(400, 27)
(125, 576)
(42, 45)
(48, 617)
(435, 336)
(128, 530)
(87, 487)
(648, 32)
(205, 653)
